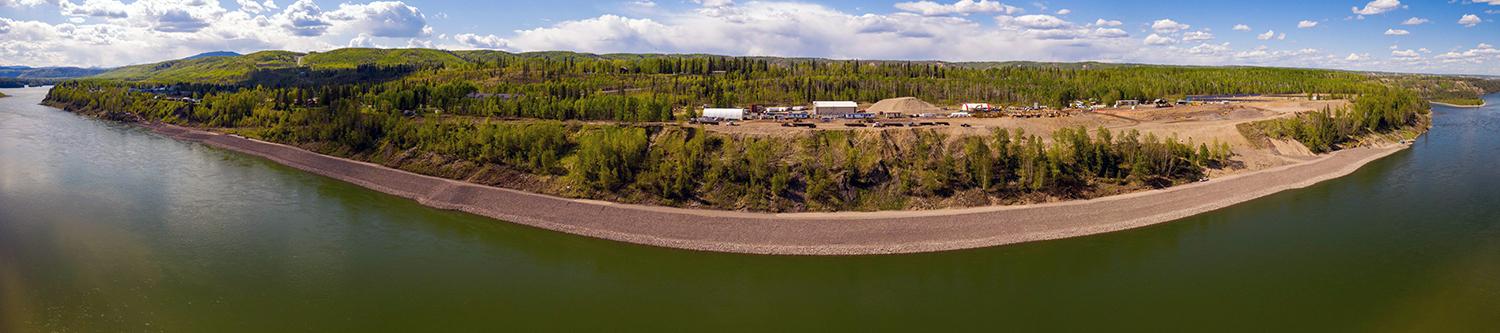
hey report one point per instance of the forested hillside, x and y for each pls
(38, 73)
(681, 80)
(533, 121)
(21, 76)
(1447, 89)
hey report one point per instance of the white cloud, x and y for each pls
(1469, 20)
(1307, 24)
(1155, 39)
(1477, 55)
(1396, 32)
(160, 15)
(483, 42)
(118, 33)
(1197, 36)
(250, 6)
(1064, 11)
(758, 28)
(1266, 36)
(363, 40)
(303, 18)
(96, 8)
(1210, 49)
(1377, 7)
(1414, 21)
(1110, 33)
(1264, 54)
(1241, 27)
(714, 3)
(962, 7)
(805, 29)
(382, 19)
(1168, 26)
(417, 43)
(1041, 22)
(24, 3)
(1406, 54)
(1357, 57)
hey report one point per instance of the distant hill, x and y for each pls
(238, 68)
(24, 72)
(214, 54)
(281, 68)
(225, 69)
(229, 67)
(21, 76)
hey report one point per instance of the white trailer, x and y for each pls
(724, 113)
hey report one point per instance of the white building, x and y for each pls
(834, 108)
(724, 113)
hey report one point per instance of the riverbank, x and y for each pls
(1481, 104)
(842, 233)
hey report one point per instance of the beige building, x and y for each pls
(834, 108)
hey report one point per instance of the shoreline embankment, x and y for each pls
(837, 233)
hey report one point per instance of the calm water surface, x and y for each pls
(106, 227)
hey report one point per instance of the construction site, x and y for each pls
(1209, 120)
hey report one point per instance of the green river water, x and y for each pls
(109, 228)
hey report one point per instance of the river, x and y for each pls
(107, 227)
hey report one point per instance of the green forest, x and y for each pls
(611, 126)
(1446, 89)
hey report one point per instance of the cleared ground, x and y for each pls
(1208, 123)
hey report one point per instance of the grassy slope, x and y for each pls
(351, 58)
(225, 70)
(204, 70)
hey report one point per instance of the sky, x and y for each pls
(1435, 36)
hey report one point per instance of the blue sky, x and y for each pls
(1437, 36)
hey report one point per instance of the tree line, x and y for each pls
(654, 88)
(1376, 111)
(689, 166)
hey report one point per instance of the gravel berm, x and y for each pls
(839, 233)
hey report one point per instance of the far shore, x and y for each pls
(838, 233)
(1481, 104)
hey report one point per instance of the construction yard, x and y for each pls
(1198, 123)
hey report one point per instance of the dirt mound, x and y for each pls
(903, 105)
